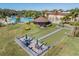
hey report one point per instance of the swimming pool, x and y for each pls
(22, 19)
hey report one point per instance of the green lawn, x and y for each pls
(7, 36)
(68, 46)
(71, 46)
(55, 37)
(7, 44)
(38, 32)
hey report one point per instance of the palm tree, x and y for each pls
(75, 31)
(66, 19)
(74, 13)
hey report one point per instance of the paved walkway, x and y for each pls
(50, 34)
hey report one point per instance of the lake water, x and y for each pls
(22, 19)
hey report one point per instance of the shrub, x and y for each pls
(74, 23)
(1, 25)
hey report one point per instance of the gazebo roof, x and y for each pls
(41, 19)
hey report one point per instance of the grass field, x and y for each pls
(71, 46)
(7, 43)
(55, 37)
(65, 45)
(7, 36)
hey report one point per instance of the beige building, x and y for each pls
(55, 17)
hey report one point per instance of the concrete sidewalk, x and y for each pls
(50, 34)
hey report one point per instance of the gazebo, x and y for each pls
(42, 21)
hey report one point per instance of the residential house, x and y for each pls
(55, 17)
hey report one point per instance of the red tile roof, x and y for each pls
(57, 13)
